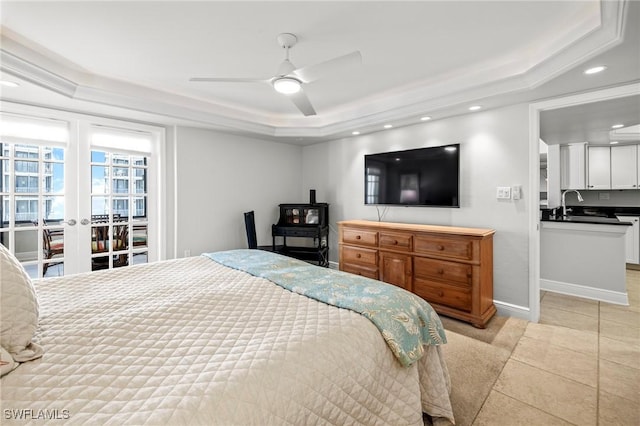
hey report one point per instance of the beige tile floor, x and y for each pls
(580, 365)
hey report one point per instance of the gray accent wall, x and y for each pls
(216, 177)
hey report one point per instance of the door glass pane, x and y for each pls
(4, 238)
(26, 248)
(99, 179)
(52, 269)
(139, 258)
(139, 181)
(53, 179)
(121, 207)
(100, 238)
(121, 159)
(100, 262)
(53, 209)
(140, 208)
(120, 237)
(121, 260)
(100, 157)
(99, 206)
(139, 236)
(26, 209)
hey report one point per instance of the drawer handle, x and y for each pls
(358, 256)
(358, 237)
(395, 242)
(440, 247)
(440, 271)
(440, 293)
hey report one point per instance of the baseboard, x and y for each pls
(592, 293)
(334, 265)
(510, 310)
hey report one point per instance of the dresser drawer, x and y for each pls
(443, 271)
(454, 248)
(360, 237)
(360, 270)
(359, 256)
(443, 294)
(395, 241)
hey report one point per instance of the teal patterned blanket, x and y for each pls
(405, 321)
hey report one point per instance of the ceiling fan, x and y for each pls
(289, 79)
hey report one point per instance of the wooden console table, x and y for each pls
(449, 267)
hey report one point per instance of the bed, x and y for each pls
(194, 342)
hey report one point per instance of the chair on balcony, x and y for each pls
(100, 239)
(252, 240)
(52, 245)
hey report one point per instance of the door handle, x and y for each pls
(70, 222)
(85, 222)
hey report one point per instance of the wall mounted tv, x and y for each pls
(415, 177)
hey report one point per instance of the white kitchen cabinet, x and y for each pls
(624, 167)
(599, 170)
(572, 166)
(632, 247)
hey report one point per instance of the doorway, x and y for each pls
(534, 155)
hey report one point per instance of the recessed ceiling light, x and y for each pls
(613, 142)
(617, 126)
(595, 70)
(475, 107)
(8, 83)
(356, 133)
(425, 118)
(388, 126)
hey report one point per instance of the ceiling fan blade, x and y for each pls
(301, 100)
(230, 80)
(332, 66)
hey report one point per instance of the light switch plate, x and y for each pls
(504, 193)
(516, 192)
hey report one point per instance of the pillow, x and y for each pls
(7, 364)
(19, 314)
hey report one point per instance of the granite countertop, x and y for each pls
(592, 214)
(589, 219)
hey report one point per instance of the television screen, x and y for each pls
(415, 177)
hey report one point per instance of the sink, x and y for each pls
(592, 219)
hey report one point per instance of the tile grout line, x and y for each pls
(533, 406)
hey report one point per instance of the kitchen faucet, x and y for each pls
(564, 204)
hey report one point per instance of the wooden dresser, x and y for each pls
(449, 267)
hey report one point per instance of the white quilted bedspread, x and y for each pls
(189, 341)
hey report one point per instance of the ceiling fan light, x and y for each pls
(286, 85)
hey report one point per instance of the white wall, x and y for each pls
(494, 152)
(218, 177)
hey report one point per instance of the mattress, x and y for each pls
(192, 342)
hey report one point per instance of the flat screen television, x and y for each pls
(414, 177)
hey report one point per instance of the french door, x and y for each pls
(78, 195)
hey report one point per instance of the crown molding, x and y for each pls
(35, 74)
